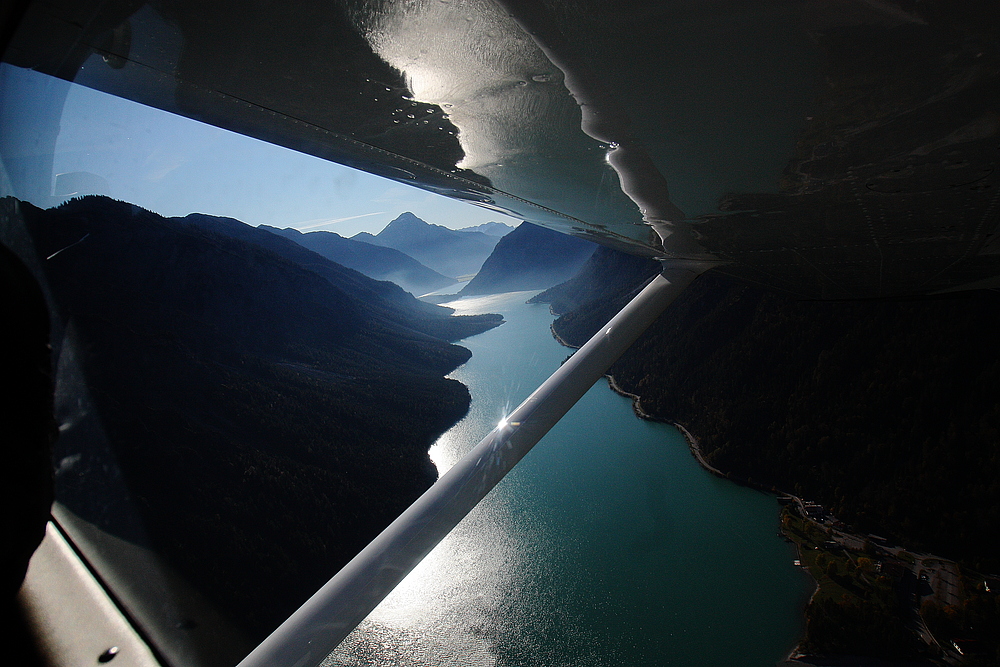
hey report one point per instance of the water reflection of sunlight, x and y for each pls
(426, 620)
(484, 304)
(446, 451)
(444, 612)
(430, 618)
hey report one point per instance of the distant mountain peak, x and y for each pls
(498, 229)
(447, 251)
(408, 228)
(363, 253)
(409, 218)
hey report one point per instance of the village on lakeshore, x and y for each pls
(850, 567)
(917, 601)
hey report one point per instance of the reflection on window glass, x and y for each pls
(238, 414)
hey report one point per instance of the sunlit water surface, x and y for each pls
(607, 544)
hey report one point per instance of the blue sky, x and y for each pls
(175, 166)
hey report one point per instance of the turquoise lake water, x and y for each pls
(607, 545)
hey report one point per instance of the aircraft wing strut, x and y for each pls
(319, 625)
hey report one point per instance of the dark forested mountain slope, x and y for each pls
(530, 257)
(268, 422)
(608, 276)
(386, 298)
(886, 411)
(453, 253)
(375, 261)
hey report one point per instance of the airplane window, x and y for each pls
(100, 168)
(266, 345)
(207, 466)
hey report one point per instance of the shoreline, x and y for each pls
(695, 448)
(552, 329)
(693, 445)
(692, 441)
(796, 656)
(636, 408)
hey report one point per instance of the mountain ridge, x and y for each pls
(266, 421)
(452, 253)
(375, 261)
(863, 406)
(490, 228)
(429, 319)
(530, 257)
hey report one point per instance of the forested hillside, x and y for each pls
(374, 261)
(530, 257)
(268, 418)
(886, 411)
(608, 278)
(385, 299)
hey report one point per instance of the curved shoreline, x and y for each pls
(636, 407)
(796, 654)
(695, 448)
(552, 328)
(692, 441)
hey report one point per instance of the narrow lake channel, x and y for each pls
(607, 545)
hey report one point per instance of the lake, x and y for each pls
(607, 545)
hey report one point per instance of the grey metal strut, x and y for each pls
(311, 633)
